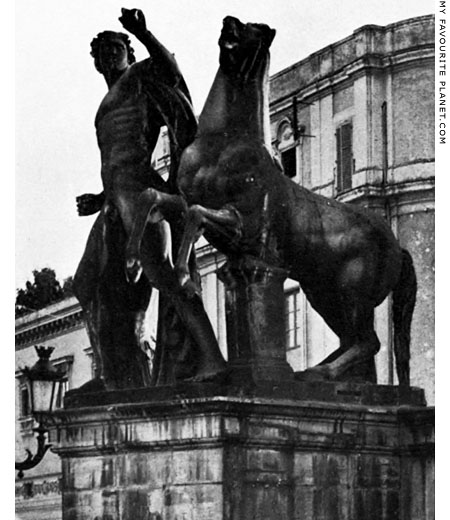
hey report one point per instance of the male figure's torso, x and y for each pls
(128, 127)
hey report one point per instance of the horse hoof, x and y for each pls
(319, 373)
(183, 276)
(133, 270)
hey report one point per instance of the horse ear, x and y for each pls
(271, 36)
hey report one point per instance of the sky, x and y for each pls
(58, 90)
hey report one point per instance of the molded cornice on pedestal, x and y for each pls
(99, 429)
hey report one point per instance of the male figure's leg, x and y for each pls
(157, 264)
(114, 310)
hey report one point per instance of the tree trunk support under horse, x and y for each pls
(255, 304)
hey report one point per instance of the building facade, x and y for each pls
(354, 121)
(59, 325)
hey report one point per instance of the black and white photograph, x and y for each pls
(225, 258)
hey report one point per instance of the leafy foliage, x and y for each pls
(68, 287)
(45, 290)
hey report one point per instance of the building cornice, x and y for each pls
(338, 80)
(369, 29)
(368, 49)
(49, 322)
(409, 192)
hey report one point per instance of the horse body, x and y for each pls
(346, 259)
(341, 255)
(334, 251)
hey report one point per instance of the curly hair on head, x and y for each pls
(105, 35)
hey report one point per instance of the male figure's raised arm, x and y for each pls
(133, 20)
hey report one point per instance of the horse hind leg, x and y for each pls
(404, 299)
(362, 371)
(360, 343)
(354, 359)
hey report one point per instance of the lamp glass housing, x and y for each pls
(43, 380)
(42, 392)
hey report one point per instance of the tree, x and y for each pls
(68, 287)
(45, 290)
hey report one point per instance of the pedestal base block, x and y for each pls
(246, 458)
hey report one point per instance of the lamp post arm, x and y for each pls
(33, 460)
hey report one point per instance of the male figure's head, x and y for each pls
(112, 53)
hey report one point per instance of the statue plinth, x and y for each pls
(235, 458)
(255, 320)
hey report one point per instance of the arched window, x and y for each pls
(286, 147)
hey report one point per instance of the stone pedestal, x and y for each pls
(257, 444)
(229, 457)
(256, 335)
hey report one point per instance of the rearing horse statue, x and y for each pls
(346, 259)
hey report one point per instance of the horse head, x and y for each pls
(243, 48)
(226, 174)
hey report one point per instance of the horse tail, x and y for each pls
(403, 301)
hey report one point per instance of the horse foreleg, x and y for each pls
(198, 219)
(152, 206)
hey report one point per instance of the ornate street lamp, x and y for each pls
(43, 381)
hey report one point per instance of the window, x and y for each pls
(384, 133)
(90, 354)
(23, 404)
(286, 147)
(344, 156)
(23, 396)
(292, 317)
(60, 393)
(161, 153)
(25, 408)
(289, 162)
(64, 364)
